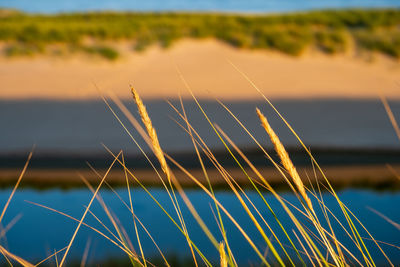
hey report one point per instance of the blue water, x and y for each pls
(50, 6)
(40, 232)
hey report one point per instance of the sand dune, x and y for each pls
(204, 65)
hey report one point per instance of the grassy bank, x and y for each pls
(330, 31)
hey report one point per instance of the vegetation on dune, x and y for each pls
(330, 31)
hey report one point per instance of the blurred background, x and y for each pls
(330, 67)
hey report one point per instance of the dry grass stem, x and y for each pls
(16, 186)
(151, 132)
(395, 224)
(158, 152)
(86, 211)
(285, 159)
(222, 254)
(86, 253)
(14, 257)
(391, 116)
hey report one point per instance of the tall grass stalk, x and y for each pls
(285, 159)
(391, 116)
(85, 212)
(153, 145)
(245, 207)
(310, 240)
(221, 226)
(358, 239)
(3, 250)
(232, 154)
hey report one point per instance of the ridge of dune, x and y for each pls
(204, 65)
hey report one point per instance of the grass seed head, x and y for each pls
(150, 131)
(285, 159)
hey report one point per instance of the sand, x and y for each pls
(205, 66)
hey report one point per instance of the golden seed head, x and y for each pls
(150, 131)
(285, 159)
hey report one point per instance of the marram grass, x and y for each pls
(310, 241)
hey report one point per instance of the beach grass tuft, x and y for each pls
(309, 239)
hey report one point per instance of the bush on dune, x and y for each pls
(330, 30)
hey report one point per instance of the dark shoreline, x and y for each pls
(325, 156)
(377, 177)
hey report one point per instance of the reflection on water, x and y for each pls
(39, 232)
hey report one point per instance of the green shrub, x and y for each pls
(236, 39)
(331, 42)
(292, 42)
(103, 51)
(22, 50)
(387, 44)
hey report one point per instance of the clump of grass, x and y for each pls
(314, 252)
(389, 44)
(102, 51)
(292, 41)
(26, 49)
(16, 50)
(331, 42)
(311, 237)
(142, 42)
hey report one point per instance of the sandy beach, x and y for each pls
(204, 64)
